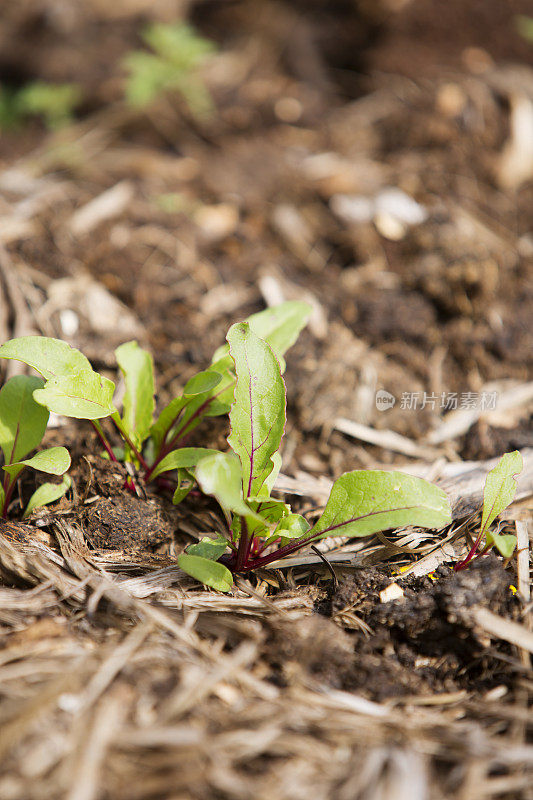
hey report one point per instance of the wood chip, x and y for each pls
(386, 439)
(107, 205)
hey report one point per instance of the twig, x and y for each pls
(328, 565)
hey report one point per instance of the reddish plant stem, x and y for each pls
(101, 435)
(463, 564)
(129, 485)
(167, 447)
(243, 551)
(130, 444)
(282, 551)
(260, 549)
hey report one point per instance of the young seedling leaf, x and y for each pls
(217, 409)
(202, 382)
(257, 415)
(269, 511)
(184, 457)
(213, 402)
(367, 501)
(47, 493)
(86, 395)
(504, 543)
(22, 420)
(51, 357)
(500, 487)
(138, 405)
(209, 548)
(293, 526)
(210, 573)
(221, 476)
(167, 419)
(54, 461)
(279, 326)
(181, 491)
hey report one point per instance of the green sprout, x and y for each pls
(174, 65)
(23, 422)
(499, 492)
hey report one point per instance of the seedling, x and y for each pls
(22, 426)
(54, 102)
(72, 388)
(499, 492)
(178, 54)
(261, 529)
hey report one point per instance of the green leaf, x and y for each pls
(217, 409)
(54, 461)
(202, 382)
(184, 457)
(293, 526)
(221, 476)
(22, 420)
(181, 491)
(257, 415)
(268, 485)
(367, 501)
(209, 548)
(47, 493)
(500, 487)
(504, 543)
(138, 405)
(51, 357)
(279, 326)
(86, 395)
(269, 511)
(166, 419)
(211, 573)
(213, 402)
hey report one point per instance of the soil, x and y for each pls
(222, 215)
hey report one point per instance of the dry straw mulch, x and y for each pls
(125, 680)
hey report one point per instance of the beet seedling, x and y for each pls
(262, 529)
(22, 426)
(499, 492)
(72, 388)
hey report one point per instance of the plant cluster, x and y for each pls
(245, 379)
(70, 387)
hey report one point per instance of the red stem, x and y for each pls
(104, 440)
(462, 564)
(132, 447)
(245, 542)
(167, 447)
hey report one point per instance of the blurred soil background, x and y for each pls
(374, 159)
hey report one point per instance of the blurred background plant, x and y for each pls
(173, 66)
(53, 102)
(524, 26)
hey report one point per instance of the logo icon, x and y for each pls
(384, 400)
